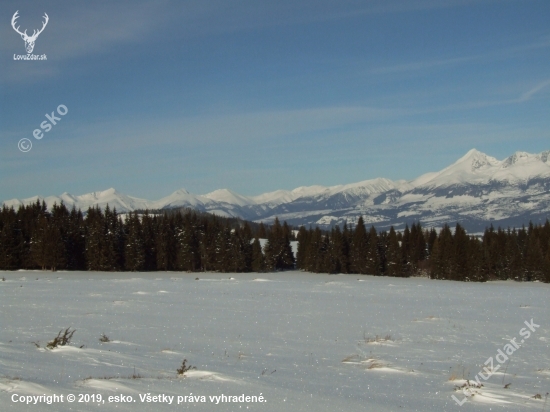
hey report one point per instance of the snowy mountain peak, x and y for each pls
(520, 157)
(228, 196)
(274, 198)
(180, 192)
(108, 192)
(475, 160)
(469, 168)
(475, 189)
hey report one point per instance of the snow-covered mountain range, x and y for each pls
(476, 190)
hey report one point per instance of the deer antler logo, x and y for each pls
(29, 40)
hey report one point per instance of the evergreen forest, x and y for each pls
(34, 237)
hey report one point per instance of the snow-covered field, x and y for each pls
(304, 342)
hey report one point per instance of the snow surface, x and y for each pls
(306, 342)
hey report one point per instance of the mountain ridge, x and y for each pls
(476, 190)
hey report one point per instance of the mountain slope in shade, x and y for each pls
(476, 190)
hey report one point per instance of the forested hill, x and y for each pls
(34, 238)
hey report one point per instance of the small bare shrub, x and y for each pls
(468, 386)
(184, 367)
(377, 339)
(63, 338)
(104, 338)
(351, 358)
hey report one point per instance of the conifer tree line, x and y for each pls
(522, 255)
(35, 238)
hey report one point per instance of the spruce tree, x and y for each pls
(534, 260)
(188, 247)
(358, 252)
(446, 251)
(11, 240)
(372, 253)
(93, 234)
(55, 248)
(287, 259)
(165, 244)
(393, 254)
(546, 264)
(277, 250)
(333, 255)
(242, 249)
(344, 256)
(406, 264)
(475, 266)
(418, 246)
(110, 259)
(134, 250)
(441, 256)
(431, 236)
(303, 243)
(313, 251)
(459, 263)
(76, 241)
(324, 250)
(223, 250)
(262, 232)
(436, 261)
(149, 228)
(39, 243)
(258, 260)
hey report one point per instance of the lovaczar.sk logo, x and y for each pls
(29, 40)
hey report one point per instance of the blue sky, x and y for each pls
(256, 96)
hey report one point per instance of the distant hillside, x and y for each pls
(477, 190)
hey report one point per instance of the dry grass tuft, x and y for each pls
(63, 338)
(378, 339)
(184, 367)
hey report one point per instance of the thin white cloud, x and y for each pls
(123, 135)
(529, 94)
(423, 65)
(86, 29)
(505, 53)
